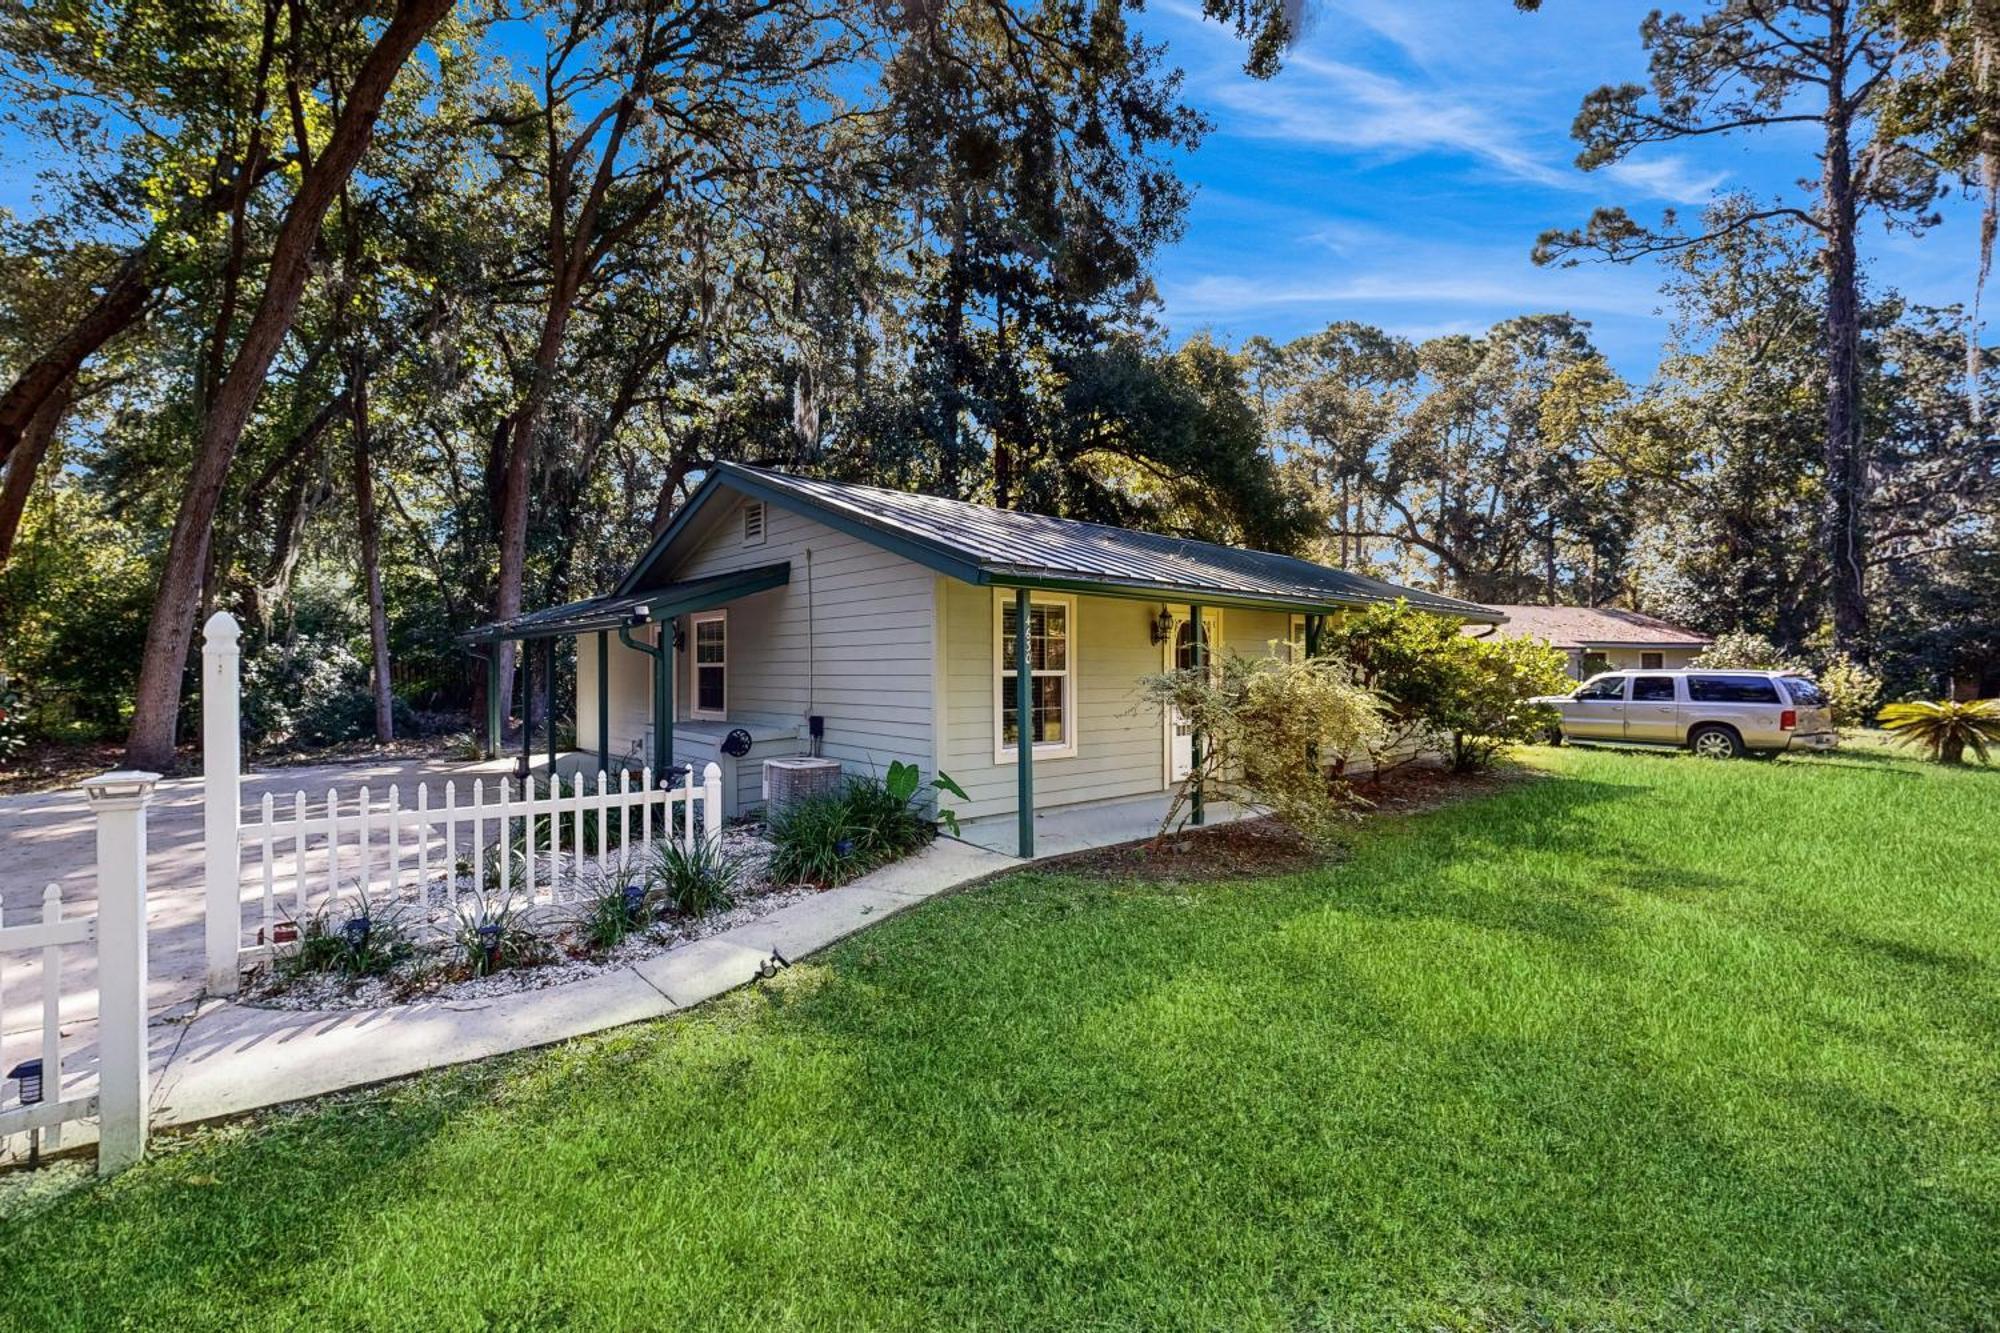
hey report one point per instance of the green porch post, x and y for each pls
(603, 702)
(1314, 624)
(1199, 815)
(494, 703)
(527, 709)
(1024, 715)
(549, 699)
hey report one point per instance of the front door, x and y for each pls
(1180, 657)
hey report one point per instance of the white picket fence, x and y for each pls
(43, 1090)
(537, 844)
(298, 858)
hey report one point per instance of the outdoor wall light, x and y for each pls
(1163, 625)
(639, 617)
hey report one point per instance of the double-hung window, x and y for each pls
(710, 669)
(1052, 676)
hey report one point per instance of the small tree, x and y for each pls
(1743, 651)
(1267, 727)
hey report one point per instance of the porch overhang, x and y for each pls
(596, 614)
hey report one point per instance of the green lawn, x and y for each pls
(1652, 1042)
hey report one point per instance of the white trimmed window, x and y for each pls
(1052, 669)
(709, 631)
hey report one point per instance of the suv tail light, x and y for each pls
(1788, 719)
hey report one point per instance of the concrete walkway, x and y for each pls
(222, 1059)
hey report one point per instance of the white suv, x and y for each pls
(1716, 714)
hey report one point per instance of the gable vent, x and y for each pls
(753, 523)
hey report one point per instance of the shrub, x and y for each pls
(1488, 704)
(1444, 690)
(13, 718)
(491, 933)
(694, 878)
(1267, 727)
(1743, 651)
(612, 908)
(813, 840)
(833, 836)
(1852, 690)
(1947, 728)
(358, 938)
(313, 691)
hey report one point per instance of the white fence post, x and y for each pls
(222, 796)
(711, 803)
(119, 801)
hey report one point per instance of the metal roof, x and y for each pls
(1011, 549)
(610, 612)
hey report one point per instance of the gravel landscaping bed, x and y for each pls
(434, 972)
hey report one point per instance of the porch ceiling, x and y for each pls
(608, 613)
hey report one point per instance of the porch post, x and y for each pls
(1024, 717)
(603, 702)
(494, 703)
(1313, 627)
(527, 708)
(549, 698)
(1199, 815)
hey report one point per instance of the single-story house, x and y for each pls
(867, 625)
(1600, 638)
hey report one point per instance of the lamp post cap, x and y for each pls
(123, 783)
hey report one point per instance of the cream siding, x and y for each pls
(848, 638)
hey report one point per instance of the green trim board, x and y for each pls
(609, 613)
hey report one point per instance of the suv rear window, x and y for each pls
(1733, 690)
(1804, 692)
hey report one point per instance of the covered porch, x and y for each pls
(1083, 828)
(643, 634)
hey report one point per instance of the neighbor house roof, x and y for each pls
(1595, 627)
(1008, 548)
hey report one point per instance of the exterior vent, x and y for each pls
(787, 780)
(753, 523)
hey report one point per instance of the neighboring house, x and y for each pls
(871, 625)
(1600, 638)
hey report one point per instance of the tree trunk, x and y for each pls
(157, 702)
(1841, 534)
(121, 303)
(27, 462)
(512, 519)
(371, 556)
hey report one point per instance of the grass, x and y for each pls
(1652, 1043)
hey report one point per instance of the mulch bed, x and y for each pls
(1260, 848)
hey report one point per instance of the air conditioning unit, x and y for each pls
(786, 780)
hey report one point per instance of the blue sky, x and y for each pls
(1400, 166)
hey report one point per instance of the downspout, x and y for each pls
(663, 710)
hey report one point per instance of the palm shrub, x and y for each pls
(1946, 728)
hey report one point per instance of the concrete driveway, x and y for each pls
(51, 838)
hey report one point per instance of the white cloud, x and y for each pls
(1672, 178)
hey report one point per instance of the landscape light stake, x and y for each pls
(29, 1075)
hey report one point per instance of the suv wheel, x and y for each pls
(1714, 742)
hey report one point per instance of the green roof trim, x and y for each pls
(614, 611)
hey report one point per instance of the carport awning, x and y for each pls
(607, 613)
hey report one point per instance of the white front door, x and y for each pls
(1180, 657)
